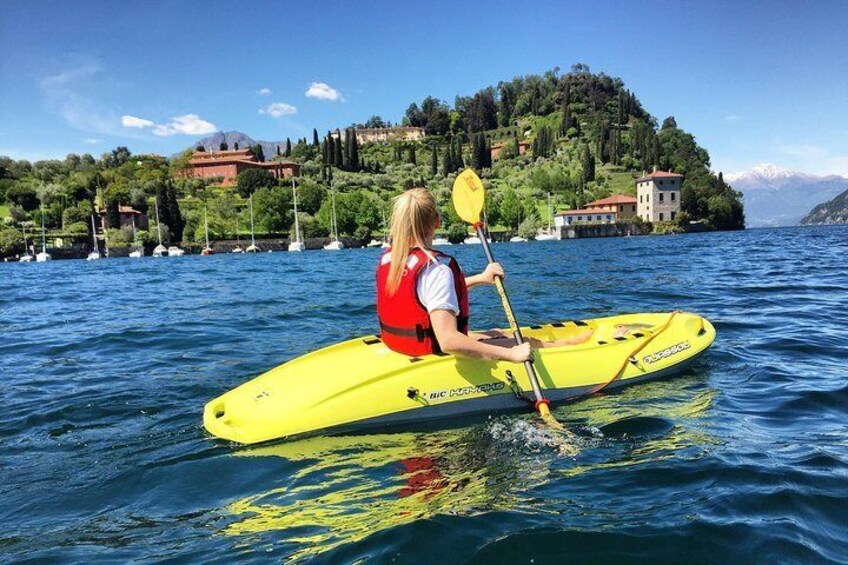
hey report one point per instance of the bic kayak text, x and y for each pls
(462, 391)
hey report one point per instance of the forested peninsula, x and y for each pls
(578, 135)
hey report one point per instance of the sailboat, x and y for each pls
(95, 250)
(160, 250)
(252, 248)
(26, 258)
(237, 248)
(139, 252)
(206, 250)
(334, 245)
(549, 235)
(43, 256)
(297, 244)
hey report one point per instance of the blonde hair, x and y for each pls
(415, 217)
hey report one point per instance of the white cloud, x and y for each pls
(264, 91)
(323, 91)
(732, 118)
(133, 122)
(278, 109)
(92, 140)
(189, 124)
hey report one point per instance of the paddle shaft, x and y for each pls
(510, 316)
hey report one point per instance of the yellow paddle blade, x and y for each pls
(468, 195)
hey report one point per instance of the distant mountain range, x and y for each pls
(775, 196)
(831, 212)
(213, 142)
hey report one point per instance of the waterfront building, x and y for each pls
(659, 196)
(228, 164)
(584, 216)
(624, 206)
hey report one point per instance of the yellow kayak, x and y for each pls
(361, 384)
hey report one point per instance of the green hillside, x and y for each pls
(587, 137)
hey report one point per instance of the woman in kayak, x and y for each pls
(422, 294)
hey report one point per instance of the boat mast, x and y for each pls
(158, 225)
(252, 235)
(43, 238)
(550, 213)
(94, 235)
(335, 224)
(296, 223)
(206, 225)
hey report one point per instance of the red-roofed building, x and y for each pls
(659, 196)
(624, 206)
(523, 146)
(228, 164)
(128, 216)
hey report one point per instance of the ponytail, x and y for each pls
(415, 216)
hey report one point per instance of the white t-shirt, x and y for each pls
(436, 289)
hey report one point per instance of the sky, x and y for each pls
(755, 82)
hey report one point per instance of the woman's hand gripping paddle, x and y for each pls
(468, 198)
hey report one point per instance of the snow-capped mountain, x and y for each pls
(776, 196)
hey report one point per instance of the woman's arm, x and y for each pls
(487, 276)
(453, 341)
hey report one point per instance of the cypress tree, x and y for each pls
(235, 145)
(339, 154)
(459, 163)
(288, 147)
(346, 151)
(315, 141)
(223, 146)
(412, 158)
(278, 150)
(434, 160)
(354, 151)
(447, 161)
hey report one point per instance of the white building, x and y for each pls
(658, 196)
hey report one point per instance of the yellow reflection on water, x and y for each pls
(347, 488)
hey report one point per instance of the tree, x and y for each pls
(669, 123)
(273, 209)
(258, 153)
(23, 195)
(223, 146)
(511, 210)
(412, 158)
(338, 158)
(315, 141)
(235, 146)
(200, 149)
(353, 154)
(543, 144)
(288, 147)
(434, 160)
(587, 163)
(249, 181)
(310, 195)
(375, 122)
(482, 111)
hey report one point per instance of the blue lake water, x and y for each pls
(105, 367)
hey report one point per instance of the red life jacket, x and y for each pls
(404, 322)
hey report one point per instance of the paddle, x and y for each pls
(468, 198)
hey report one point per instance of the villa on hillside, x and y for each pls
(523, 146)
(228, 164)
(659, 196)
(604, 211)
(396, 133)
(127, 215)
